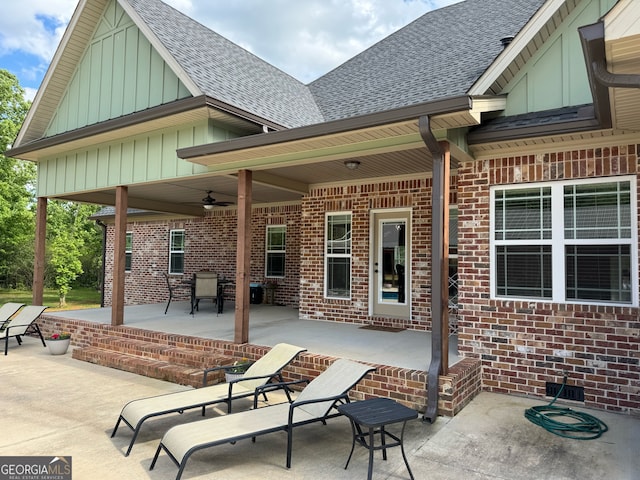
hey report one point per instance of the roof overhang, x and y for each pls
(175, 113)
(621, 71)
(365, 135)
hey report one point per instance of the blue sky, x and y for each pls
(304, 38)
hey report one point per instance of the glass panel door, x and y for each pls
(391, 261)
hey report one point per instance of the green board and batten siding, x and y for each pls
(145, 158)
(121, 73)
(556, 75)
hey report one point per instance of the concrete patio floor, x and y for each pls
(270, 324)
(55, 405)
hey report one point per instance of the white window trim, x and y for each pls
(171, 251)
(343, 255)
(267, 251)
(129, 251)
(558, 242)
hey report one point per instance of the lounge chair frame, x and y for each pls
(24, 323)
(287, 426)
(235, 390)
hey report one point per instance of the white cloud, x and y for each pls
(30, 93)
(307, 38)
(34, 26)
(304, 38)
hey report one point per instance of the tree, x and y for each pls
(73, 242)
(74, 246)
(17, 179)
(64, 263)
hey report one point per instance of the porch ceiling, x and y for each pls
(287, 164)
(282, 184)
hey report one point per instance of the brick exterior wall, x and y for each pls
(360, 200)
(522, 345)
(210, 244)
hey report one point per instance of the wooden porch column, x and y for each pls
(40, 244)
(243, 257)
(119, 246)
(444, 300)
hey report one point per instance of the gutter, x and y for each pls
(141, 117)
(614, 80)
(436, 107)
(593, 47)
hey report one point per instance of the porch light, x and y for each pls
(352, 164)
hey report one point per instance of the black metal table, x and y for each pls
(374, 415)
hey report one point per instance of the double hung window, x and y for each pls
(338, 255)
(565, 241)
(275, 250)
(176, 251)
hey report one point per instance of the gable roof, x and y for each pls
(207, 63)
(225, 71)
(439, 55)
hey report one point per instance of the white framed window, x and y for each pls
(176, 251)
(337, 269)
(128, 251)
(275, 250)
(566, 242)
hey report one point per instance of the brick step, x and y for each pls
(189, 357)
(181, 365)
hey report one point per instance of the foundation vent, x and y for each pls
(569, 392)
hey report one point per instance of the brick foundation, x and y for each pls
(181, 359)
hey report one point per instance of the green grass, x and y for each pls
(77, 298)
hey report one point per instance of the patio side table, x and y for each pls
(374, 415)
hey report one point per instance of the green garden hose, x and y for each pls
(577, 425)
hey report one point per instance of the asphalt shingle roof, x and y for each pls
(226, 71)
(439, 55)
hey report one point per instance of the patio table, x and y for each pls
(375, 414)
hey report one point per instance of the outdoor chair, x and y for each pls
(313, 404)
(23, 323)
(258, 376)
(174, 288)
(7, 311)
(206, 287)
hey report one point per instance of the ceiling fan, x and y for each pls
(209, 202)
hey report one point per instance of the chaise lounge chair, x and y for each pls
(7, 311)
(259, 374)
(24, 322)
(314, 404)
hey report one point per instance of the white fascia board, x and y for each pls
(517, 45)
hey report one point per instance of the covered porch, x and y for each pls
(402, 356)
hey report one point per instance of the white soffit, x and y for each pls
(622, 50)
